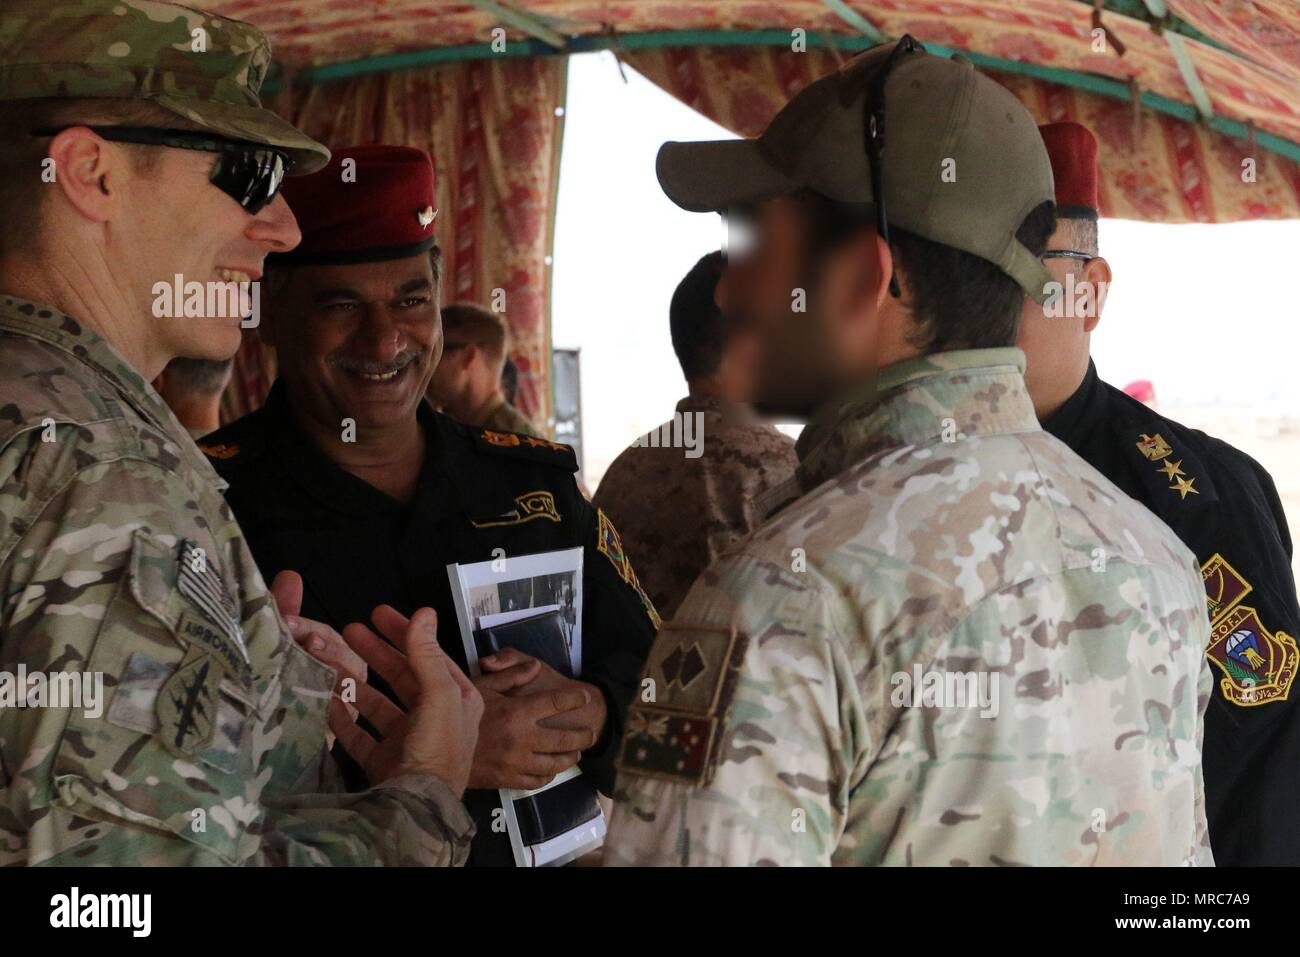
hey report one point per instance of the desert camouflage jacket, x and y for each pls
(962, 645)
(120, 559)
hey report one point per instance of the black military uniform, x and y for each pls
(1225, 508)
(478, 491)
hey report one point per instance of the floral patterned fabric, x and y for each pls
(491, 127)
(1153, 167)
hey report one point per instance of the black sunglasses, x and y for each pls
(873, 123)
(249, 173)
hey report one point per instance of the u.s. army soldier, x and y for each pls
(135, 149)
(961, 645)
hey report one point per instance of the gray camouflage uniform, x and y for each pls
(780, 729)
(118, 555)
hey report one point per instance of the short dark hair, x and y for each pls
(699, 329)
(465, 322)
(958, 300)
(1081, 233)
(204, 376)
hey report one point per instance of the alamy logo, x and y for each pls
(134, 911)
(235, 297)
(684, 431)
(946, 689)
(58, 689)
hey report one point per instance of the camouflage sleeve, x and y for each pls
(744, 745)
(198, 737)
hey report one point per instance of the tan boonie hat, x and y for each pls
(205, 68)
(964, 163)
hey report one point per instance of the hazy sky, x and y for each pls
(1211, 314)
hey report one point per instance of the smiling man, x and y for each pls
(136, 150)
(349, 477)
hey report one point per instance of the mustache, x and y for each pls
(366, 367)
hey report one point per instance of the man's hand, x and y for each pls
(516, 747)
(510, 661)
(439, 732)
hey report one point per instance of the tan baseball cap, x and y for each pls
(200, 66)
(964, 163)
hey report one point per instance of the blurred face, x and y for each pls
(179, 223)
(807, 317)
(358, 341)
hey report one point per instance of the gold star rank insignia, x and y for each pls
(1173, 469)
(1184, 485)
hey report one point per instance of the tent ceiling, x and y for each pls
(1222, 60)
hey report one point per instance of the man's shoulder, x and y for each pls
(238, 446)
(493, 447)
(1185, 474)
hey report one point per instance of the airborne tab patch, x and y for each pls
(1258, 666)
(692, 674)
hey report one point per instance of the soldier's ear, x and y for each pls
(90, 173)
(1097, 272)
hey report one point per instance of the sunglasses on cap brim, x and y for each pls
(249, 173)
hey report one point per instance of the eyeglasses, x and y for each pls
(249, 173)
(873, 122)
(1067, 254)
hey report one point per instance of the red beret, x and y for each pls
(1073, 152)
(369, 203)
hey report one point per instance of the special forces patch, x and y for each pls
(692, 673)
(610, 545)
(1258, 666)
(187, 703)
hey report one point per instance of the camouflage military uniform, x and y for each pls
(678, 513)
(119, 556)
(504, 417)
(777, 733)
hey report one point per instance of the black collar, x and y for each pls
(1081, 411)
(441, 488)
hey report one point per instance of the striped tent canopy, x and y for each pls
(1219, 79)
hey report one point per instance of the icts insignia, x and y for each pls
(610, 545)
(1258, 666)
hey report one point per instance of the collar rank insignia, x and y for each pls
(693, 672)
(187, 703)
(610, 545)
(1258, 666)
(528, 506)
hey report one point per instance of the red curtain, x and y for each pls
(1153, 167)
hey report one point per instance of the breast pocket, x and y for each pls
(172, 748)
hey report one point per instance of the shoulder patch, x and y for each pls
(527, 447)
(1173, 475)
(220, 451)
(610, 545)
(1258, 665)
(692, 672)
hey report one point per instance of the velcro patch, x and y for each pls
(187, 703)
(692, 673)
